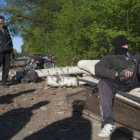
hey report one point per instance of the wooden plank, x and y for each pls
(122, 128)
(126, 115)
(125, 94)
(132, 97)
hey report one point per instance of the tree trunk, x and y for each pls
(89, 80)
(88, 65)
(84, 66)
(51, 71)
(61, 81)
(59, 71)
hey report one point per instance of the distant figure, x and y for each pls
(119, 70)
(6, 47)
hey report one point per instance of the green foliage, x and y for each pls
(84, 30)
(74, 29)
(16, 54)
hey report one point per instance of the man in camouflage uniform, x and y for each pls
(6, 47)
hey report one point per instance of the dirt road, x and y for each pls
(33, 111)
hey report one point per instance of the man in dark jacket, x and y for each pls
(118, 70)
(6, 47)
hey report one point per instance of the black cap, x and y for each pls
(120, 41)
(1, 17)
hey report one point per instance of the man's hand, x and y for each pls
(12, 57)
(128, 74)
(124, 74)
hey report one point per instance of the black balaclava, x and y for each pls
(118, 42)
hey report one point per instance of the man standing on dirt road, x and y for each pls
(6, 47)
(119, 70)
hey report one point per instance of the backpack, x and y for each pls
(30, 76)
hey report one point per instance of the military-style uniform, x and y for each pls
(6, 47)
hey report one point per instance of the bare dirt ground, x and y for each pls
(33, 111)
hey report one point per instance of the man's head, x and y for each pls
(1, 20)
(121, 44)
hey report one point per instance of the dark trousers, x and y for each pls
(107, 89)
(5, 63)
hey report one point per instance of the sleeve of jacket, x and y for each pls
(103, 68)
(8, 35)
(137, 56)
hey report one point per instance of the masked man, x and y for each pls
(6, 47)
(119, 70)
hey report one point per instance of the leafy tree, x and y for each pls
(17, 54)
(74, 30)
(84, 29)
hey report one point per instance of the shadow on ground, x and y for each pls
(7, 99)
(122, 133)
(73, 128)
(13, 121)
